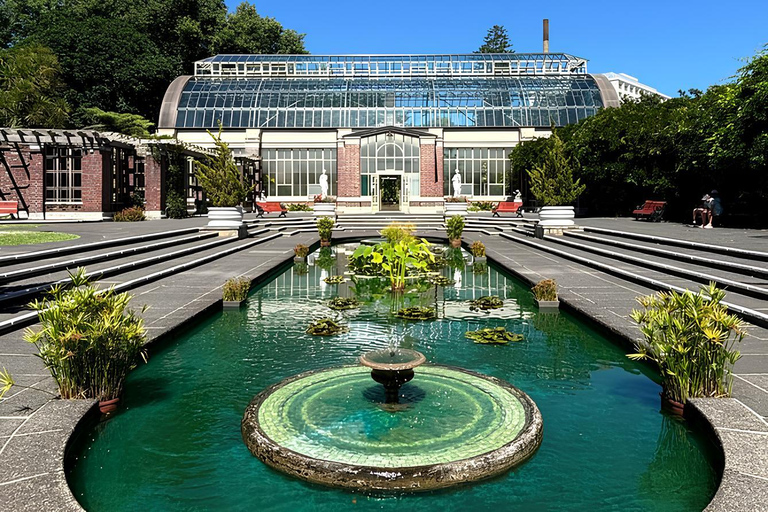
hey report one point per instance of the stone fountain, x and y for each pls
(392, 368)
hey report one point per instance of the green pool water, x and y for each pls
(176, 442)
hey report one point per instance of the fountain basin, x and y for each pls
(392, 368)
(326, 427)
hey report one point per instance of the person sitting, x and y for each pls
(715, 209)
(702, 211)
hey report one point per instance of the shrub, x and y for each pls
(546, 289)
(482, 206)
(301, 250)
(477, 249)
(176, 206)
(236, 289)
(460, 199)
(552, 180)
(690, 336)
(325, 227)
(327, 199)
(219, 176)
(298, 207)
(89, 339)
(396, 231)
(454, 227)
(137, 199)
(132, 214)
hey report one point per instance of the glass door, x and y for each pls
(374, 193)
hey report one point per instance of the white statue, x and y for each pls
(323, 184)
(456, 184)
(518, 197)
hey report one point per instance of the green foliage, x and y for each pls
(132, 214)
(691, 337)
(298, 207)
(455, 258)
(334, 279)
(31, 88)
(236, 289)
(176, 205)
(326, 327)
(481, 206)
(219, 176)
(300, 269)
(6, 382)
(325, 259)
(127, 124)
(301, 251)
(325, 227)
(546, 289)
(480, 267)
(137, 199)
(23, 237)
(477, 249)
(454, 227)
(342, 303)
(442, 281)
(493, 335)
(396, 231)
(246, 32)
(552, 180)
(417, 313)
(486, 302)
(496, 41)
(398, 259)
(89, 339)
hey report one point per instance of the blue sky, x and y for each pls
(669, 45)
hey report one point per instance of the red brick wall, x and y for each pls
(30, 186)
(348, 170)
(430, 187)
(154, 184)
(96, 189)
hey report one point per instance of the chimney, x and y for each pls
(546, 35)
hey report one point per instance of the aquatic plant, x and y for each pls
(417, 313)
(493, 335)
(326, 327)
(396, 231)
(486, 302)
(442, 281)
(341, 303)
(334, 279)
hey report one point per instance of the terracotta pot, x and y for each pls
(456, 242)
(325, 243)
(671, 406)
(107, 406)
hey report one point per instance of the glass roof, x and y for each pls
(374, 102)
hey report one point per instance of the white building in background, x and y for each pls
(629, 87)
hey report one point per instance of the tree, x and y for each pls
(127, 124)
(30, 88)
(246, 32)
(552, 180)
(219, 176)
(496, 41)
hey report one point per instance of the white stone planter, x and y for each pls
(556, 216)
(451, 209)
(225, 217)
(547, 304)
(324, 210)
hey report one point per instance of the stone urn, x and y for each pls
(225, 217)
(556, 216)
(324, 210)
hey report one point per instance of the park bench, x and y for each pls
(508, 207)
(651, 210)
(9, 208)
(271, 207)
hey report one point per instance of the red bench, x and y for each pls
(9, 208)
(271, 207)
(509, 207)
(651, 210)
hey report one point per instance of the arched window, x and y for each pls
(388, 153)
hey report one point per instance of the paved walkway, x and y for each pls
(34, 428)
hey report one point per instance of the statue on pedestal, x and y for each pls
(323, 184)
(456, 181)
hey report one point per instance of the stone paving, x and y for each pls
(34, 428)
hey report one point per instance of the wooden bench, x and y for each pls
(651, 210)
(508, 207)
(9, 208)
(271, 207)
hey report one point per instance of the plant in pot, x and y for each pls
(553, 185)
(325, 230)
(223, 184)
(478, 251)
(691, 337)
(454, 227)
(235, 292)
(545, 294)
(89, 339)
(300, 253)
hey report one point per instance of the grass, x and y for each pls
(12, 235)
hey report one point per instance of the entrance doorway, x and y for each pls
(390, 187)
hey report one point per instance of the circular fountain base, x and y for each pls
(457, 426)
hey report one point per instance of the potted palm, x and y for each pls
(222, 183)
(478, 251)
(325, 230)
(553, 186)
(89, 340)
(691, 337)
(454, 227)
(545, 294)
(235, 292)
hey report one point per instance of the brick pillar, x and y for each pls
(96, 188)
(17, 185)
(154, 186)
(431, 159)
(348, 170)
